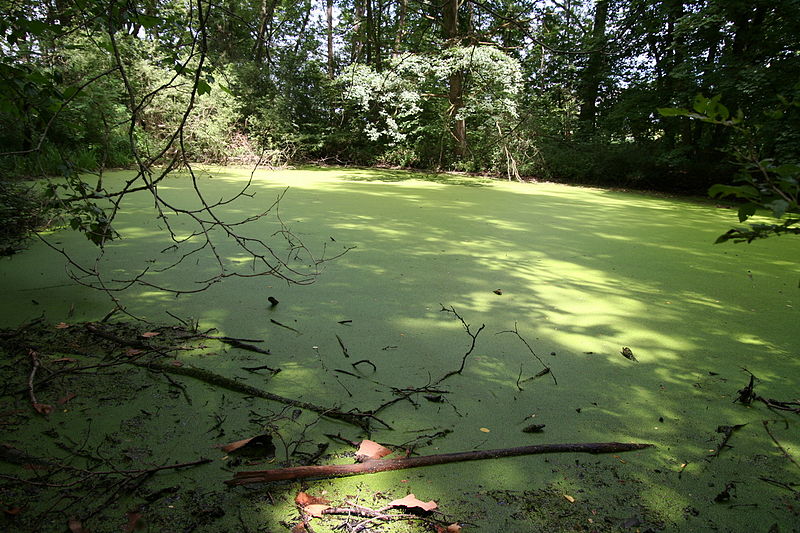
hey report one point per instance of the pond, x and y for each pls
(560, 278)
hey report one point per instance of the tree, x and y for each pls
(154, 72)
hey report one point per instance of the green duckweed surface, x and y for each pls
(582, 273)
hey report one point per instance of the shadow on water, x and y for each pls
(581, 272)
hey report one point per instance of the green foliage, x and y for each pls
(760, 183)
(403, 111)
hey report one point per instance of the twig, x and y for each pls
(383, 465)
(284, 326)
(342, 346)
(778, 444)
(358, 419)
(41, 408)
(728, 432)
(473, 337)
(546, 369)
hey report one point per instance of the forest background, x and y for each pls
(561, 90)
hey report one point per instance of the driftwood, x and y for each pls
(383, 465)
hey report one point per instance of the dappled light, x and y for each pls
(579, 274)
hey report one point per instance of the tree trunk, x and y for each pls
(593, 73)
(456, 92)
(401, 23)
(329, 15)
(358, 41)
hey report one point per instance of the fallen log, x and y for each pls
(383, 465)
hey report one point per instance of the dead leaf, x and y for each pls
(303, 499)
(569, 498)
(62, 325)
(486, 430)
(43, 408)
(627, 353)
(65, 360)
(259, 443)
(176, 363)
(412, 501)
(452, 528)
(65, 399)
(311, 505)
(75, 526)
(316, 509)
(498, 291)
(149, 334)
(130, 352)
(14, 511)
(300, 527)
(133, 520)
(371, 450)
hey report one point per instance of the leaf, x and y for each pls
(75, 526)
(62, 325)
(203, 87)
(130, 352)
(13, 511)
(411, 501)
(672, 112)
(778, 207)
(65, 399)
(149, 334)
(316, 509)
(311, 504)
(569, 498)
(746, 211)
(133, 521)
(498, 291)
(371, 450)
(65, 360)
(43, 408)
(486, 430)
(260, 445)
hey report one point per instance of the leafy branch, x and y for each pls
(761, 183)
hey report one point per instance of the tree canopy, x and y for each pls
(564, 90)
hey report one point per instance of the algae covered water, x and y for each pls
(551, 283)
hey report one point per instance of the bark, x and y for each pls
(401, 23)
(593, 73)
(456, 81)
(383, 465)
(329, 16)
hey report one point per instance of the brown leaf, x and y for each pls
(412, 501)
(569, 498)
(65, 360)
(43, 408)
(75, 526)
(14, 511)
(65, 399)
(62, 325)
(176, 363)
(498, 291)
(300, 527)
(149, 334)
(371, 450)
(452, 528)
(316, 509)
(304, 499)
(133, 521)
(130, 352)
(259, 441)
